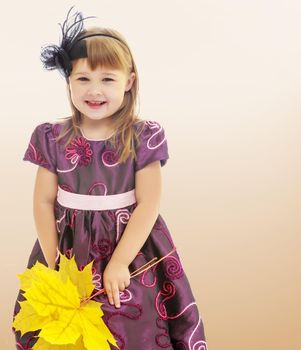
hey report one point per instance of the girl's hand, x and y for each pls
(116, 277)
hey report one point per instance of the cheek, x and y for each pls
(75, 87)
(76, 93)
(76, 98)
(117, 94)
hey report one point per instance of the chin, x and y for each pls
(94, 117)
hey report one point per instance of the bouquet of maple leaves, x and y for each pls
(59, 303)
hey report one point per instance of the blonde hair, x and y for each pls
(110, 53)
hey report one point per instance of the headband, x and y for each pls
(71, 46)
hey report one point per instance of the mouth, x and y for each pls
(95, 104)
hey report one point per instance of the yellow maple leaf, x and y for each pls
(28, 319)
(42, 344)
(50, 293)
(29, 275)
(58, 304)
(82, 279)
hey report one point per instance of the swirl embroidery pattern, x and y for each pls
(168, 292)
(123, 216)
(103, 248)
(154, 125)
(172, 268)
(109, 158)
(34, 154)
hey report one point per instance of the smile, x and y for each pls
(95, 105)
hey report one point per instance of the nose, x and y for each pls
(95, 88)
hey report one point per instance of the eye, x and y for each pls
(84, 79)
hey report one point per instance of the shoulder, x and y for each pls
(51, 128)
(147, 124)
(151, 135)
(47, 131)
(146, 128)
(152, 144)
(43, 129)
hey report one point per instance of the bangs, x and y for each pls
(105, 52)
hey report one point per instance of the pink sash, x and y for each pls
(92, 202)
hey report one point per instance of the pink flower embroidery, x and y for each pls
(79, 152)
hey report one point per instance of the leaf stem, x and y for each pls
(135, 273)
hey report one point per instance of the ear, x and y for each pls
(130, 81)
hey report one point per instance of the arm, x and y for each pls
(45, 192)
(148, 193)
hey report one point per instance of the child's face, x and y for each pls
(105, 85)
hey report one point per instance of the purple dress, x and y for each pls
(158, 309)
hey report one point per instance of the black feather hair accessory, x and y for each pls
(59, 57)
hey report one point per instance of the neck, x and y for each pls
(97, 129)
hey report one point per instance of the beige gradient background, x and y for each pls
(223, 78)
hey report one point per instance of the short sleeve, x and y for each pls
(152, 146)
(41, 149)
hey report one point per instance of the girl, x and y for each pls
(97, 196)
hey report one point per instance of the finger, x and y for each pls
(110, 295)
(115, 291)
(122, 287)
(127, 283)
